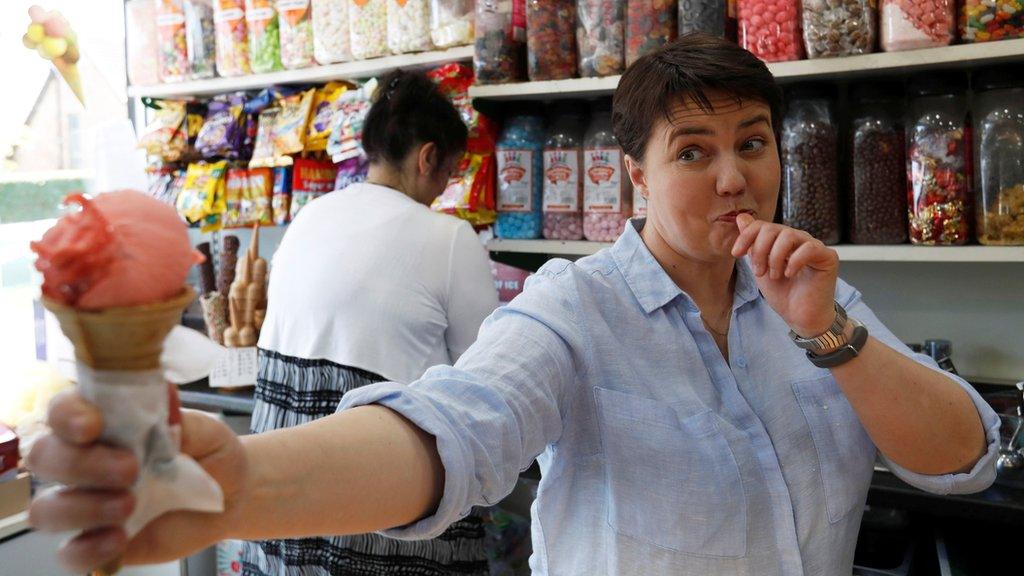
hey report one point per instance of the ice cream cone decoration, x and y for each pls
(247, 298)
(52, 37)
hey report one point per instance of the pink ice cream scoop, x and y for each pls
(123, 249)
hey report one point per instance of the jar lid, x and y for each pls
(997, 77)
(880, 91)
(937, 83)
(809, 91)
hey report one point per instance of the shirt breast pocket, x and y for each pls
(672, 482)
(845, 452)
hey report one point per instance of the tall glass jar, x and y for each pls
(987, 20)
(601, 36)
(810, 181)
(607, 198)
(938, 161)
(702, 16)
(550, 39)
(520, 178)
(999, 152)
(451, 22)
(906, 25)
(563, 182)
(499, 47)
(264, 36)
(839, 27)
(878, 182)
(771, 31)
(650, 24)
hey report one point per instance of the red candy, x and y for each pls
(770, 30)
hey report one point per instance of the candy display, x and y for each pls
(296, 33)
(409, 26)
(256, 204)
(499, 44)
(550, 39)
(325, 103)
(173, 40)
(650, 24)
(223, 131)
(810, 181)
(263, 150)
(563, 185)
(200, 39)
(232, 37)
(311, 179)
(202, 198)
(520, 178)
(290, 128)
(261, 19)
(451, 22)
(910, 24)
(368, 28)
(999, 150)
(938, 161)
(988, 20)
(607, 199)
(331, 31)
(842, 28)
(770, 29)
(141, 48)
(165, 135)
(281, 196)
(878, 188)
(702, 16)
(600, 35)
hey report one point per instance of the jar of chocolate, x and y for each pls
(878, 184)
(999, 152)
(938, 160)
(810, 181)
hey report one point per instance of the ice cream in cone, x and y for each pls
(50, 34)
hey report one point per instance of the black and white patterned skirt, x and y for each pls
(292, 391)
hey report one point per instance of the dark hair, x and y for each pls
(687, 67)
(408, 110)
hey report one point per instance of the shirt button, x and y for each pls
(741, 362)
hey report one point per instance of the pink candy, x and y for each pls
(599, 227)
(770, 29)
(563, 226)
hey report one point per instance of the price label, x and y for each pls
(236, 367)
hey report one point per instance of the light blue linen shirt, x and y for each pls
(657, 455)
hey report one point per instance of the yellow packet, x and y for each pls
(325, 104)
(291, 124)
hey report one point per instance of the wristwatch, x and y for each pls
(832, 348)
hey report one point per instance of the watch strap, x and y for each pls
(831, 339)
(846, 352)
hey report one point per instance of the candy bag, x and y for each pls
(290, 129)
(172, 41)
(311, 179)
(263, 150)
(256, 206)
(236, 189)
(296, 29)
(264, 39)
(232, 37)
(346, 139)
(202, 195)
(324, 105)
(200, 39)
(165, 135)
(351, 171)
(223, 130)
(282, 195)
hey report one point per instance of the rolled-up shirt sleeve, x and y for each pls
(983, 473)
(502, 403)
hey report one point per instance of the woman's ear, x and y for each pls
(636, 175)
(427, 160)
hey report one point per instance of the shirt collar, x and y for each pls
(652, 286)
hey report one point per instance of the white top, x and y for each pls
(367, 277)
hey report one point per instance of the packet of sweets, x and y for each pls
(290, 129)
(311, 179)
(325, 103)
(351, 171)
(202, 195)
(263, 150)
(235, 192)
(165, 135)
(221, 134)
(256, 206)
(282, 195)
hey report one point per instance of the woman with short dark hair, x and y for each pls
(704, 398)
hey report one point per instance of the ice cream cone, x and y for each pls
(129, 338)
(70, 74)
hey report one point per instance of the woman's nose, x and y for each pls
(730, 181)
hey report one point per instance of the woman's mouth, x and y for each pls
(730, 217)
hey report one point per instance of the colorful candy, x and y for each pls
(607, 200)
(170, 22)
(913, 24)
(600, 34)
(409, 26)
(264, 39)
(650, 24)
(520, 178)
(498, 47)
(563, 186)
(838, 27)
(142, 48)
(989, 20)
(296, 33)
(368, 26)
(770, 29)
(550, 39)
(937, 170)
(200, 39)
(998, 112)
(331, 31)
(451, 22)
(702, 16)
(232, 37)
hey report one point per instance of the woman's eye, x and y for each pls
(754, 144)
(691, 155)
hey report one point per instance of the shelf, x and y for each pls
(847, 253)
(962, 56)
(317, 74)
(13, 525)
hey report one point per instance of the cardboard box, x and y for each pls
(15, 495)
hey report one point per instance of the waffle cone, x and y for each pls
(128, 338)
(69, 72)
